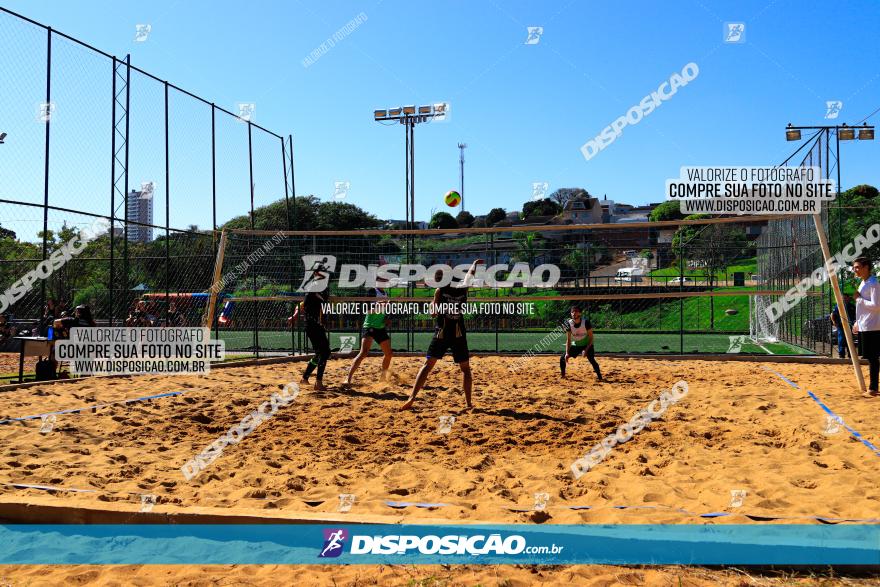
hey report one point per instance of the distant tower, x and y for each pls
(461, 148)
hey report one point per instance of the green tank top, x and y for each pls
(376, 320)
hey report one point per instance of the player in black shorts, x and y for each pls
(448, 335)
(313, 311)
(579, 341)
(375, 330)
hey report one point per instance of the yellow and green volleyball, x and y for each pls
(452, 198)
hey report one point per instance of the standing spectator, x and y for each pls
(7, 332)
(868, 318)
(836, 322)
(82, 316)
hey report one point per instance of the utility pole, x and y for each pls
(461, 148)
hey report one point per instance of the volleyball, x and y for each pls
(452, 198)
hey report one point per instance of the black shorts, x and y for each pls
(575, 351)
(444, 340)
(380, 335)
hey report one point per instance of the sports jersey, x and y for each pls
(578, 331)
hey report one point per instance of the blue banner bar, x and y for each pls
(777, 544)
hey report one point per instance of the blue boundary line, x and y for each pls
(855, 434)
(94, 407)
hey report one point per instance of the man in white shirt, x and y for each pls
(868, 318)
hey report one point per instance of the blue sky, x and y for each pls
(524, 110)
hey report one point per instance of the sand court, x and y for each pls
(742, 442)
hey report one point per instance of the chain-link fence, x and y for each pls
(665, 287)
(90, 137)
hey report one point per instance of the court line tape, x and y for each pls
(94, 407)
(406, 504)
(855, 434)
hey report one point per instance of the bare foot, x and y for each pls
(319, 386)
(407, 406)
(348, 381)
(304, 380)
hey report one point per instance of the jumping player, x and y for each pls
(579, 341)
(312, 308)
(449, 334)
(374, 329)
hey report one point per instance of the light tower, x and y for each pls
(461, 148)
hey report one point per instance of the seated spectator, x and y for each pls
(139, 315)
(175, 318)
(82, 316)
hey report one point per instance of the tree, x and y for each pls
(6, 233)
(850, 216)
(443, 220)
(529, 247)
(667, 211)
(306, 213)
(495, 215)
(464, 219)
(563, 195)
(545, 207)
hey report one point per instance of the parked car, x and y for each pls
(681, 281)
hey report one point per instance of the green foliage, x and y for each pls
(666, 211)
(850, 216)
(545, 207)
(495, 215)
(442, 220)
(464, 219)
(306, 213)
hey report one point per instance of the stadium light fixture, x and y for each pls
(846, 133)
(792, 134)
(395, 112)
(409, 110)
(426, 109)
(866, 133)
(380, 114)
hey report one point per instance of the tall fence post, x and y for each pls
(167, 212)
(48, 113)
(253, 265)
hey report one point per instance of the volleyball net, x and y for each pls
(682, 286)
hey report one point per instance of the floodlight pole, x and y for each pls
(461, 148)
(823, 241)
